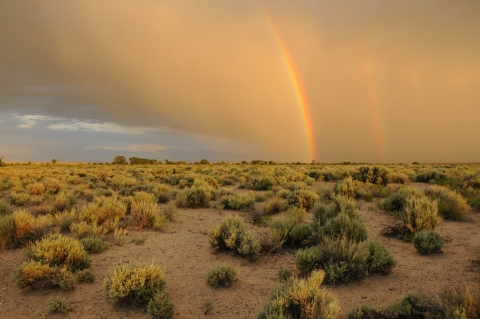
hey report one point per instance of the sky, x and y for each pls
(375, 81)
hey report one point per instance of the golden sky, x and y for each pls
(384, 81)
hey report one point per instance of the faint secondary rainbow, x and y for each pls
(299, 90)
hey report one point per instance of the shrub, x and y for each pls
(342, 226)
(221, 276)
(284, 275)
(145, 214)
(64, 201)
(302, 198)
(261, 184)
(460, 303)
(376, 175)
(428, 241)
(105, 212)
(120, 236)
(451, 205)
(234, 234)
(7, 230)
(25, 228)
(93, 244)
(345, 187)
(19, 198)
(344, 260)
(163, 193)
(241, 202)
(5, 209)
(196, 196)
(160, 306)
(298, 299)
(35, 275)
(57, 250)
(85, 275)
(63, 220)
(398, 201)
(208, 306)
(57, 305)
(420, 214)
(83, 229)
(134, 285)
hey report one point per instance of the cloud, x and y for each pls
(30, 120)
(100, 127)
(135, 148)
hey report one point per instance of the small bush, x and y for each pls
(241, 202)
(93, 244)
(284, 275)
(134, 285)
(57, 304)
(120, 236)
(163, 193)
(428, 242)
(234, 234)
(420, 214)
(342, 226)
(274, 205)
(84, 229)
(345, 187)
(451, 205)
(85, 275)
(5, 209)
(221, 276)
(63, 220)
(196, 196)
(207, 306)
(302, 198)
(397, 202)
(105, 212)
(57, 250)
(160, 306)
(298, 299)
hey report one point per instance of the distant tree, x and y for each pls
(1, 161)
(120, 160)
(54, 161)
(204, 161)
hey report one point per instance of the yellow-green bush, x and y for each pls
(302, 198)
(84, 229)
(241, 202)
(234, 234)
(420, 214)
(104, 211)
(223, 275)
(345, 187)
(301, 299)
(451, 205)
(134, 285)
(36, 189)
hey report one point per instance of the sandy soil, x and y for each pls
(184, 252)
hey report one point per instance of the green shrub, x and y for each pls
(345, 187)
(380, 258)
(93, 244)
(196, 196)
(57, 305)
(7, 230)
(376, 175)
(344, 260)
(261, 184)
(221, 276)
(274, 205)
(134, 285)
(451, 205)
(64, 279)
(284, 275)
(5, 209)
(85, 275)
(207, 306)
(299, 298)
(302, 198)
(160, 306)
(397, 202)
(428, 242)
(234, 234)
(342, 226)
(163, 193)
(241, 202)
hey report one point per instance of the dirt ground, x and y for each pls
(184, 252)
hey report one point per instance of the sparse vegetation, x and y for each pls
(223, 275)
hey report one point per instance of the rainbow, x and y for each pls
(299, 90)
(375, 107)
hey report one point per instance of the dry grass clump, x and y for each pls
(234, 234)
(301, 299)
(139, 286)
